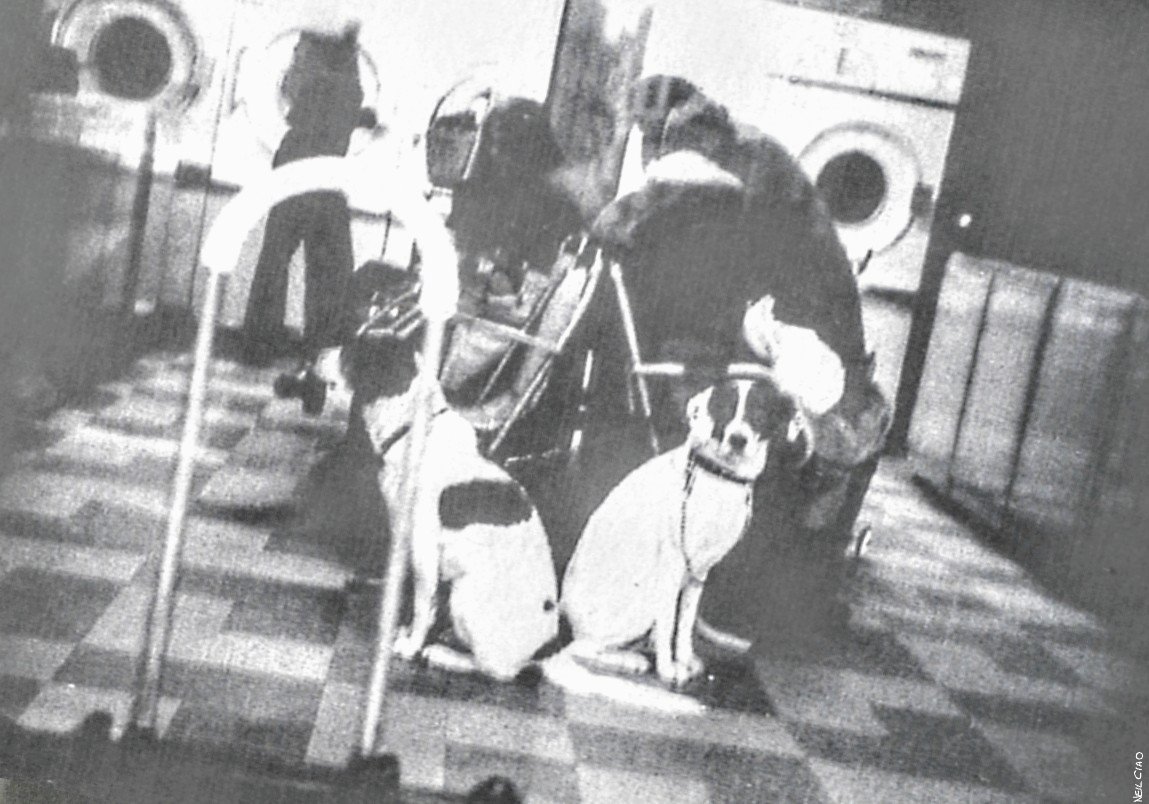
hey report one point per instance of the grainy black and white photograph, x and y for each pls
(546, 401)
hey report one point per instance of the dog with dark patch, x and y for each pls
(490, 551)
(641, 563)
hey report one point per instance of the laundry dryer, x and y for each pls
(867, 108)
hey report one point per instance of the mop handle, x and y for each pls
(220, 254)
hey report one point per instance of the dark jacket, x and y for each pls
(324, 96)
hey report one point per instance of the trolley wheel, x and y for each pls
(306, 387)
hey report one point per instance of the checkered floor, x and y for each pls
(961, 680)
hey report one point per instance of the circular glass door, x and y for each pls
(867, 176)
(132, 50)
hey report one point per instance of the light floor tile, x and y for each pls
(335, 736)
(51, 494)
(36, 492)
(114, 448)
(510, 731)
(714, 727)
(241, 487)
(144, 413)
(282, 568)
(207, 536)
(117, 566)
(414, 728)
(61, 708)
(259, 654)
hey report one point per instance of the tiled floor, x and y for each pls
(960, 680)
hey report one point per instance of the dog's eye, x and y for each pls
(549, 605)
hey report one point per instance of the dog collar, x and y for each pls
(398, 435)
(698, 461)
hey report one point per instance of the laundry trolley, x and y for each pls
(141, 766)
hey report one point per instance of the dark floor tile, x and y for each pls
(950, 601)
(41, 528)
(318, 428)
(237, 587)
(466, 766)
(254, 697)
(205, 685)
(246, 738)
(1030, 659)
(1028, 715)
(917, 744)
(237, 402)
(219, 435)
(133, 427)
(118, 527)
(95, 400)
(15, 695)
(296, 613)
(52, 606)
(223, 436)
(429, 682)
(1077, 636)
(144, 471)
(732, 774)
(737, 777)
(33, 435)
(89, 666)
(100, 668)
(873, 652)
(730, 684)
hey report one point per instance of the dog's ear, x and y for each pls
(696, 407)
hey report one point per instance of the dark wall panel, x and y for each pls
(1051, 149)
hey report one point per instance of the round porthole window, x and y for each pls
(132, 59)
(854, 186)
(134, 51)
(867, 175)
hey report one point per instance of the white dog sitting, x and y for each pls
(642, 560)
(491, 548)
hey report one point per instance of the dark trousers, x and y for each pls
(321, 222)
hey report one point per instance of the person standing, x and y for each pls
(325, 106)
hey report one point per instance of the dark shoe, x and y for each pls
(302, 385)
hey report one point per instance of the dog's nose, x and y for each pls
(737, 441)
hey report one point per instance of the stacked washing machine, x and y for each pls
(210, 73)
(867, 109)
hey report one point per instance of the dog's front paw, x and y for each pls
(680, 673)
(406, 646)
(447, 659)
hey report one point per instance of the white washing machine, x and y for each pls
(411, 53)
(139, 60)
(157, 56)
(867, 108)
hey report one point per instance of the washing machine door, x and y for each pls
(871, 178)
(259, 88)
(133, 50)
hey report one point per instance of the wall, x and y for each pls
(1049, 151)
